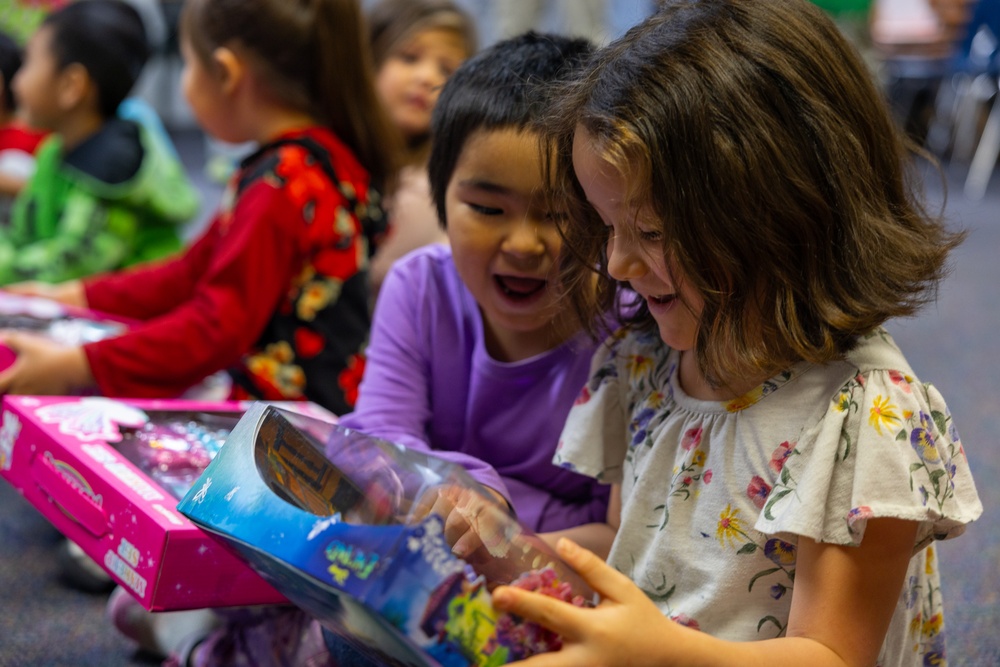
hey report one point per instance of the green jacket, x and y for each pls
(115, 200)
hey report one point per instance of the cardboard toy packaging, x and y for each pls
(63, 324)
(352, 529)
(108, 474)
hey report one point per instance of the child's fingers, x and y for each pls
(608, 582)
(556, 615)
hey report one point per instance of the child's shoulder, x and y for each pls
(112, 155)
(877, 351)
(430, 264)
(317, 148)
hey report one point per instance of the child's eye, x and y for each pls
(651, 235)
(485, 210)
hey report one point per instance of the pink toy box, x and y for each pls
(108, 474)
(63, 324)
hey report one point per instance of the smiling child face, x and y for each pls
(635, 249)
(505, 242)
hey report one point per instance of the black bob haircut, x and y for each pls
(11, 58)
(502, 87)
(107, 38)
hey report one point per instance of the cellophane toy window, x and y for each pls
(174, 447)
(400, 551)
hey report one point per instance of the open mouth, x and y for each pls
(663, 299)
(520, 288)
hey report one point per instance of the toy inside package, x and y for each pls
(363, 534)
(62, 324)
(173, 448)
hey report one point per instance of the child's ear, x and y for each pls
(73, 86)
(229, 67)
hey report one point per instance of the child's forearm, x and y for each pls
(693, 648)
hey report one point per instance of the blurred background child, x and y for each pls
(105, 193)
(275, 290)
(18, 142)
(416, 45)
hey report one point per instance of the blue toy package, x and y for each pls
(358, 532)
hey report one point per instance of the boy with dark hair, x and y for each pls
(106, 192)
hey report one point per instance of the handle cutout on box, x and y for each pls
(76, 503)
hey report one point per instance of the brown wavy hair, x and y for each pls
(784, 188)
(312, 56)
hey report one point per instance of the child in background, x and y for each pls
(783, 473)
(275, 290)
(18, 142)
(416, 45)
(105, 193)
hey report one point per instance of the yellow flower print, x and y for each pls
(316, 296)
(932, 625)
(655, 400)
(883, 413)
(843, 402)
(638, 364)
(745, 401)
(698, 459)
(929, 563)
(729, 527)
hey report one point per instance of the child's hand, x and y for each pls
(471, 521)
(42, 366)
(70, 292)
(626, 628)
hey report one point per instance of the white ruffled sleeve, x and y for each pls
(886, 447)
(594, 439)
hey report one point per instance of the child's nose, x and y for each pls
(524, 239)
(430, 74)
(624, 260)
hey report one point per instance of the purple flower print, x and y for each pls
(922, 441)
(779, 552)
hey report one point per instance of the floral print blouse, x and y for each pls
(716, 494)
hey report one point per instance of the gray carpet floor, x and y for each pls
(952, 343)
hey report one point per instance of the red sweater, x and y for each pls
(275, 290)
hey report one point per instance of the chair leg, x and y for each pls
(985, 158)
(976, 96)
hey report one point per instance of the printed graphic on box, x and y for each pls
(339, 522)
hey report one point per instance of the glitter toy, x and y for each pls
(174, 449)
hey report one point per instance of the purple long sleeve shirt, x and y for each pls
(430, 384)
